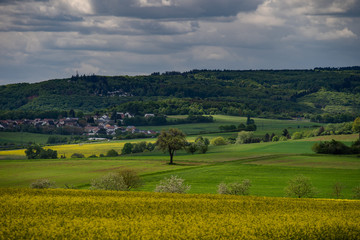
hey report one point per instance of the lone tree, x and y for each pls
(170, 141)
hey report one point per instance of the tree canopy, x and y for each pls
(171, 140)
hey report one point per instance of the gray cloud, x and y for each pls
(47, 39)
(174, 9)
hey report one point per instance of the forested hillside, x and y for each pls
(318, 93)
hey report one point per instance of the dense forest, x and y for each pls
(323, 94)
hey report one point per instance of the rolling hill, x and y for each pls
(264, 93)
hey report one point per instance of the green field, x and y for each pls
(263, 125)
(24, 137)
(269, 166)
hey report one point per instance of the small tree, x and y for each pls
(191, 148)
(202, 144)
(235, 188)
(127, 149)
(174, 184)
(286, 133)
(356, 191)
(337, 189)
(300, 186)
(170, 141)
(267, 138)
(42, 184)
(150, 146)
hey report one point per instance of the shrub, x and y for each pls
(93, 156)
(174, 184)
(218, 141)
(123, 180)
(337, 189)
(139, 147)
(300, 186)
(130, 178)
(244, 137)
(275, 139)
(235, 188)
(356, 191)
(111, 181)
(42, 184)
(297, 135)
(283, 138)
(77, 155)
(112, 153)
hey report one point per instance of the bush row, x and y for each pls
(127, 179)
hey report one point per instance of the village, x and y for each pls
(92, 126)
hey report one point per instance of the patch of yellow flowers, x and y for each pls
(87, 149)
(85, 214)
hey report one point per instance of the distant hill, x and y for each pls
(279, 93)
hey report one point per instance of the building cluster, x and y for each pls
(100, 125)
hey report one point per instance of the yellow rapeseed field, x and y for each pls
(87, 149)
(86, 214)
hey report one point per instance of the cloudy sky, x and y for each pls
(47, 39)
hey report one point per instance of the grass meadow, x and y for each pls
(263, 125)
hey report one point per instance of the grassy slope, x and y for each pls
(24, 137)
(268, 165)
(263, 125)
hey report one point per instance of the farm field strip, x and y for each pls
(83, 214)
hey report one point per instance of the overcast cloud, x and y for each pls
(46, 39)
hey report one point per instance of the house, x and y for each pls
(128, 115)
(90, 130)
(110, 130)
(147, 115)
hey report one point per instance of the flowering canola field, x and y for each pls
(85, 214)
(87, 149)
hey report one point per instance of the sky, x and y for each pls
(49, 39)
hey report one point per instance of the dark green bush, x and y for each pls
(335, 147)
(77, 155)
(112, 153)
(37, 152)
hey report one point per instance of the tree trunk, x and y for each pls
(171, 157)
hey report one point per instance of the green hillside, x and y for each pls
(265, 93)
